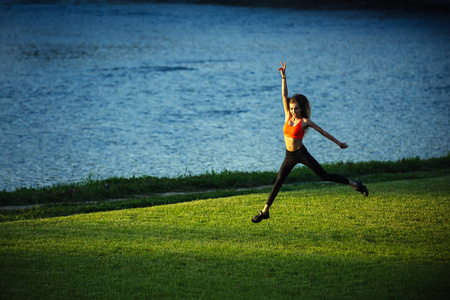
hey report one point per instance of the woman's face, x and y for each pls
(295, 110)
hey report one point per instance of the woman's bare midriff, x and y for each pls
(293, 144)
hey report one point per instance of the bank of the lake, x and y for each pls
(119, 193)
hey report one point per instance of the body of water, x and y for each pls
(108, 90)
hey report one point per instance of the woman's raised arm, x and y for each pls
(284, 91)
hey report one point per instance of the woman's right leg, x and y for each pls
(286, 168)
(288, 164)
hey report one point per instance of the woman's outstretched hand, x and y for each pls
(343, 145)
(282, 70)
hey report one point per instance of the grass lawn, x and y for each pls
(323, 241)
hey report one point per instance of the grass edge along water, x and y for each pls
(119, 187)
(119, 193)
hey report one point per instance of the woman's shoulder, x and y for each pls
(307, 122)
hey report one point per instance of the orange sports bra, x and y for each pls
(295, 132)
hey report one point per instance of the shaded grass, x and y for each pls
(115, 188)
(323, 241)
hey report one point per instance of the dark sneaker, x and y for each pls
(260, 216)
(362, 188)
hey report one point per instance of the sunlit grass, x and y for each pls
(124, 193)
(323, 241)
(93, 189)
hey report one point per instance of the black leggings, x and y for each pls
(301, 156)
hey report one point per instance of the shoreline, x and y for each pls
(418, 5)
(68, 208)
(415, 5)
(124, 193)
(349, 168)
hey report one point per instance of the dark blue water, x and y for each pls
(165, 90)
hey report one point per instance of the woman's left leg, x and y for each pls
(311, 163)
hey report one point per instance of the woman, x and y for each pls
(297, 111)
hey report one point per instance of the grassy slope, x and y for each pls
(93, 189)
(323, 241)
(96, 195)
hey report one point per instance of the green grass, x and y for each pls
(93, 189)
(323, 241)
(96, 195)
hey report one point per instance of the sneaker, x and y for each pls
(362, 188)
(260, 216)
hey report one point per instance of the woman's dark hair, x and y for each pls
(303, 102)
(304, 105)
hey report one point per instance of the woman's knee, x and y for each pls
(326, 177)
(336, 178)
(322, 174)
(279, 181)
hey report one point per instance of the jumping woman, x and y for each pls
(296, 123)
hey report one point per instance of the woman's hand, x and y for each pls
(343, 145)
(282, 70)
